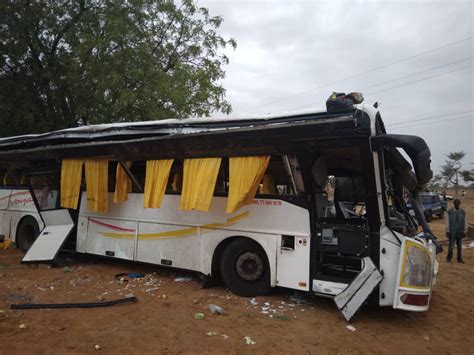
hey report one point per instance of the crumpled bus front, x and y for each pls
(416, 275)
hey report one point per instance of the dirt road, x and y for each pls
(163, 319)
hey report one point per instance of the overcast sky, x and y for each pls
(292, 54)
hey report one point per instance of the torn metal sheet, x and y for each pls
(351, 299)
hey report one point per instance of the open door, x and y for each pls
(58, 226)
(351, 299)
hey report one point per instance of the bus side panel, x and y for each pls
(186, 239)
(4, 215)
(14, 205)
(171, 245)
(81, 241)
(111, 237)
(390, 249)
(271, 216)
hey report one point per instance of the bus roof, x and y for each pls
(183, 137)
(165, 126)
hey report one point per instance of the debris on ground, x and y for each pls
(97, 347)
(253, 302)
(151, 289)
(249, 341)
(199, 315)
(298, 298)
(183, 279)
(7, 243)
(130, 275)
(2, 313)
(211, 334)
(22, 326)
(215, 309)
(81, 280)
(73, 305)
(282, 317)
(351, 328)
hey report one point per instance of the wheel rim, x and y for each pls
(249, 266)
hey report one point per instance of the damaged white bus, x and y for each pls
(311, 202)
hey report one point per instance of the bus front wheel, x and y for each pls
(27, 232)
(245, 268)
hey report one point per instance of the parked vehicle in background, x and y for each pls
(444, 201)
(432, 205)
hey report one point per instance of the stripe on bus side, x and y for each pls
(185, 232)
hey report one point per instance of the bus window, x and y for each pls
(339, 187)
(45, 186)
(277, 179)
(112, 176)
(138, 171)
(175, 180)
(222, 183)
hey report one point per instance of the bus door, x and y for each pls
(343, 268)
(58, 223)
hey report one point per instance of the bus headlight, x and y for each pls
(416, 268)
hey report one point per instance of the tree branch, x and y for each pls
(82, 9)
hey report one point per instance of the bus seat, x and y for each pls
(348, 190)
(269, 186)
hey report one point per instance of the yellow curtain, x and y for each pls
(157, 174)
(199, 182)
(71, 176)
(123, 184)
(97, 173)
(245, 175)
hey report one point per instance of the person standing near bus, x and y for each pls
(456, 228)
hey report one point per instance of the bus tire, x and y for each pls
(245, 268)
(27, 232)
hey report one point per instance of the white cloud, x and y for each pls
(285, 48)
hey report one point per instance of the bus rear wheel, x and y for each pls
(245, 268)
(27, 232)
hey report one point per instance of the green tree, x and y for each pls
(451, 169)
(467, 175)
(69, 63)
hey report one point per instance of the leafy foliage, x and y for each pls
(450, 170)
(69, 63)
(467, 175)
